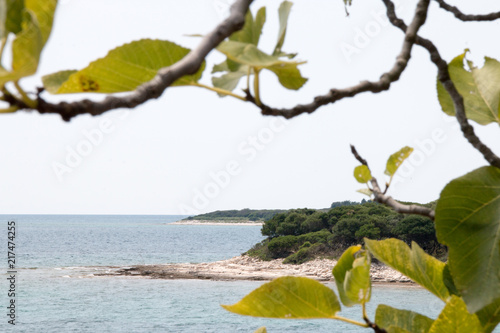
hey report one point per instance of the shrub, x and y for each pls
(315, 237)
(283, 246)
(305, 245)
(260, 250)
(314, 222)
(368, 230)
(304, 254)
(418, 229)
(269, 227)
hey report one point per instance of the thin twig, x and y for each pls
(350, 321)
(387, 200)
(467, 17)
(24, 96)
(256, 87)
(444, 78)
(357, 156)
(10, 109)
(165, 77)
(220, 91)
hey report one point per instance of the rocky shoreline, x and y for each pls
(249, 268)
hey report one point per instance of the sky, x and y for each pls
(191, 152)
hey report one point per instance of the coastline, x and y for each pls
(253, 269)
(216, 222)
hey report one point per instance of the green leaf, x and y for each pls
(489, 316)
(344, 264)
(32, 21)
(396, 159)
(352, 276)
(456, 318)
(395, 329)
(480, 89)
(401, 320)
(36, 28)
(251, 31)
(448, 281)
(284, 12)
(289, 75)
(229, 81)
(125, 68)
(414, 263)
(11, 16)
(262, 329)
(53, 82)
(44, 12)
(27, 46)
(289, 298)
(248, 54)
(222, 67)
(468, 222)
(362, 174)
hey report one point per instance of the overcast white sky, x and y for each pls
(162, 157)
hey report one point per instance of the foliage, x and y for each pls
(352, 276)
(138, 62)
(466, 221)
(290, 298)
(304, 253)
(405, 320)
(31, 23)
(260, 250)
(468, 212)
(345, 203)
(339, 228)
(480, 89)
(235, 215)
(414, 263)
(284, 246)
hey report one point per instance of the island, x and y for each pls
(303, 242)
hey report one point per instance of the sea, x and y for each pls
(57, 257)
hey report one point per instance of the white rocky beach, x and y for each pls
(249, 268)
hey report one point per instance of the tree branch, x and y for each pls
(382, 84)
(165, 77)
(444, 78)
(357, 156)
(387, 200)
(467, 17)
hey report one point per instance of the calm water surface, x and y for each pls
(58, 293)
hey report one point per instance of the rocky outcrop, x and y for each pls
(249, 268)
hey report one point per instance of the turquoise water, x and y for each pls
(57, 292)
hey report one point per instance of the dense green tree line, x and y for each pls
(302, 234)
(243, 215)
